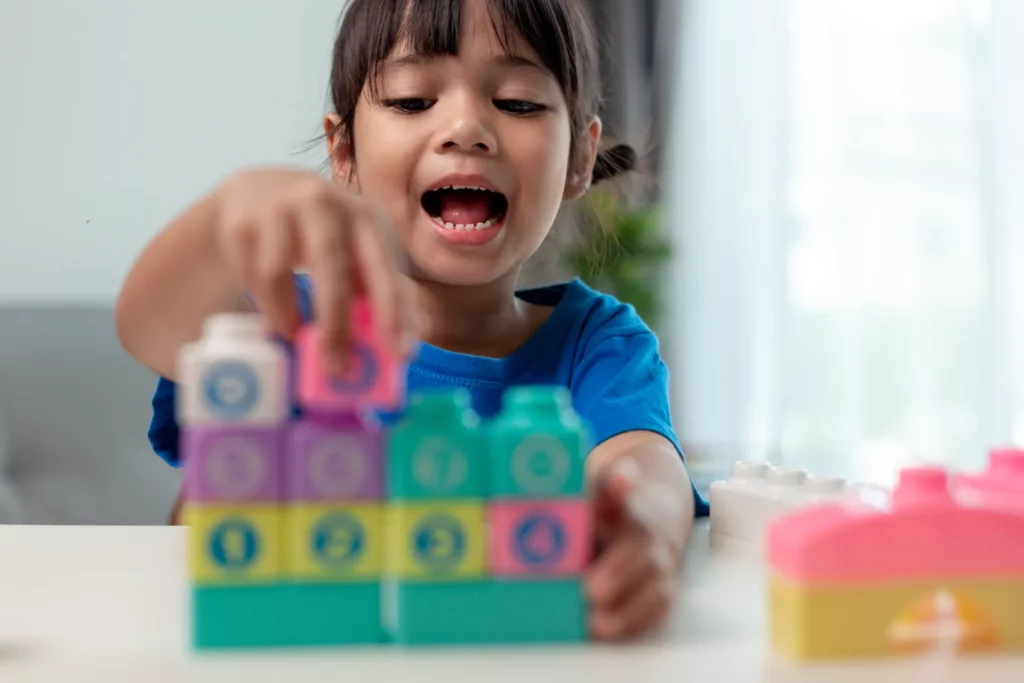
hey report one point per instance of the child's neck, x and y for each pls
(486, 320)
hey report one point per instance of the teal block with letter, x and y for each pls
(538, 445)
(438, 450)
(491, 612)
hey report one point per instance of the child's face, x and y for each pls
(476, 120)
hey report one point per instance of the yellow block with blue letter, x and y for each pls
(342, 542)
(437, 540)
(235, 544)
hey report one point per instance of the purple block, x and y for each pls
(233, 464)
(335, 458)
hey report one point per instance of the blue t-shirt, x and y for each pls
(591, 343)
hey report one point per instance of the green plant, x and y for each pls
(620, 251)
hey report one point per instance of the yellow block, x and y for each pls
(335, 542)
(235, 544)
(905, 618)
(436, 541)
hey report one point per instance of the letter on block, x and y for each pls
(549, 538)
(437, 541)
(232, 464)
(337, 543)
(231, 545)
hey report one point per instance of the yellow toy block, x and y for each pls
(335, 542)
(235, 545)
(436, 541)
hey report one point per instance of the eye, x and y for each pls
(519, 107)
(410, 105)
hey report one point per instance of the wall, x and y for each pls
(115, 114)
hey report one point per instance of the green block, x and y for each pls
(286, 615)
(240, 617)
(491, 612)
(438, 450)
(335, 614)
(538, 445)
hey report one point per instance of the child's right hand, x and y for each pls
(270, 221)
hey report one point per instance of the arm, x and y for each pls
(179, 279)
(664, 494)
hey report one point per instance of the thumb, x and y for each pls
(613, 490)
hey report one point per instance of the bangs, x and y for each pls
(431, 28)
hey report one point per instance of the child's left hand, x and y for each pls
(631, 584)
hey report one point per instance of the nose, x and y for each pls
(468, 130)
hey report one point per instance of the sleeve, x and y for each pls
(163, 427)
(620, 384)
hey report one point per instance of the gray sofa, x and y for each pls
(74, 410)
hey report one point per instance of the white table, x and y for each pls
(110, 604)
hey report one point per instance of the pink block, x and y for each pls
(923, 532)
(1001, 484)
(375, 378)
(541, 538)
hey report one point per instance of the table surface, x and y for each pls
(110, 604)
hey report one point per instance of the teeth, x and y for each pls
(461, 227)
(464, 187)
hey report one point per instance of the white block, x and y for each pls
(233, 375)
(756, 493)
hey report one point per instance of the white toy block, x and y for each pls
(756, 493)
(233, 374)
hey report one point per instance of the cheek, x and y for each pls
(542, 161)
(384, 164)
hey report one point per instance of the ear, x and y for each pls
(584, 157)
(343, 167)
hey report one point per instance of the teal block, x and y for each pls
(538, 445)
(285, 615)
(335, 614)
(491, 612)
(240, 617)
(438, 449)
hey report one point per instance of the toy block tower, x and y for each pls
(539, 515)
(437, 489)
(232, 408)
(334, 488)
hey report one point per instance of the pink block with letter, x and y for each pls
(374, 377)
(539, 537)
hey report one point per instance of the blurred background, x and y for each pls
(829, 241)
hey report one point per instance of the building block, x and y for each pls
(229, 617)
(232, 375)
(436, 541)
(234, 464)
(922, 571)
(491, 612)
(335, 458)
(756, 493)
(539, 538)
(334, 614)
(438, 451)
(335, 543)
(374, 377)
(1002, 482)
(235, 545)
(538, 445)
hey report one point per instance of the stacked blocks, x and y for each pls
(331, 529)
(520, 580)
(937, 566)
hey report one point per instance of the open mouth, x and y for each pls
(465, 208)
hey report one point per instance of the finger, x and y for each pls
(618, 571)
(326, 252)
(643, 611)
(611, 499)
(274, 288)
(380, 276)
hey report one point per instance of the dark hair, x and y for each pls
(559, 31)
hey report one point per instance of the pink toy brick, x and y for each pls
(924, 531)
(374, 376)
(335, 458)
(233, 464)
(1001, 484)
(539, 538)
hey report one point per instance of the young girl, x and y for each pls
(459, 127)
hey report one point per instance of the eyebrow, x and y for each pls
(511, 61)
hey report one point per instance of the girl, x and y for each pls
(458, 128)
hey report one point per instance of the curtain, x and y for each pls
(845, 189)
